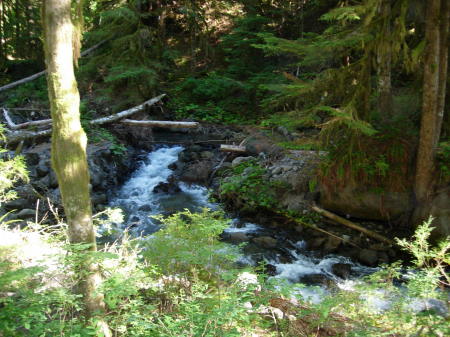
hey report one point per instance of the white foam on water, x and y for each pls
(247, 228)
(139, 202)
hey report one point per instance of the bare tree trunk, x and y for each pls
(384, 63)
(69, 142)
(429, 120)
(443, 61)
(2, 49)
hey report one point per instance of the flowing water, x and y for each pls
(139, 201)
(289, 260)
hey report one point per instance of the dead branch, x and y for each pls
(39, 74)
(17, 136)
(161, 124)
(233, 148)
(352, 225)
(128, 112)
(13, 126)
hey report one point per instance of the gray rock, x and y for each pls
(42, 169)
(206, 155)
(332, 244)
(31, 158)
(239, 160)
(198, 172)
(145, 208)
(316, 279)
(26, 213)
(53, 182)
(342, 270)
(16, 204)
(237, 237)
(266, 242)
(316, 242)
(368, 257)
(100, 198)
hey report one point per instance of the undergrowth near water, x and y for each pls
(248, 182)
(182, 281)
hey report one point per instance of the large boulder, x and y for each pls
(294, 173)
(357, 201)
(198, 173)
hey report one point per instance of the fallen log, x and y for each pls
(233, 148)
(128, 112)
(352, 225)
(316, 228)
(39, 74)
(14, 126)
(161, 124)
(17, 136)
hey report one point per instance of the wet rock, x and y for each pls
(197, 173)
(31, 158)
(100, 198)
(145, 208)
(236, 237)
(134, 219)
(42, 169)
(332, 244)
(55, 196)
(16, 204)
(316, 242)
(316, 279)
(173, 166)
(185, 157)
(170, 187)
(265, 241)
(379, 247)
(383, 257)
(270, 269)
(239, 160)
(52, 181)
(342, 270)
(360, 202)
(26, 214)
(368, 257)
(207, 155)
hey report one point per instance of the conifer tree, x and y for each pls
(433, 100)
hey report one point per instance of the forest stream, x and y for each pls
(152, 190)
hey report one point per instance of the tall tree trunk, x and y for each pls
(443, 61)
(384, 62)
(69, 142)
(429, 120)
(2, 36)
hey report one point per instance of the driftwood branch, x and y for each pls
(13, 126)
(352, 225)
(233, 148)
(16, 136)
(162, 124)
(39, 74)
(128, 112)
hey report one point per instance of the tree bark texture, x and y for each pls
(433, 90)
(443, 61)
(384, 62)
(69, 141)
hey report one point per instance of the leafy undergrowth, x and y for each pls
(182, 281)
